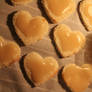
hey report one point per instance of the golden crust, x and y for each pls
(29, 40)
(83, 17)
(56, 19)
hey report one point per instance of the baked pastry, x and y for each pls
(40, 69)
(67, 41)
(16, 2)
(89, 66)
(85, 10)
(77, 79)
(30, 29)
(59, 10)
(10, 52)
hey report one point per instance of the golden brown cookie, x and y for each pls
(30, 29)
(59, 10)
(85, 10)
(89, 66)
(40, 69)
(10, 52)
(67, 41)
(77, 79)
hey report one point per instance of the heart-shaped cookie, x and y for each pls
(59, 10)
(15, 2)
(10, 52)
(38, 69)
(89, 66)
(77, 78)
(30, 29)
(68, 42)
(85, 10)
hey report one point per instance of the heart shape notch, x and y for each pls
(77, 78)
(68, 42)
(85, 10)
(16, 2)
(40, 69)
(10, 52)
(59, 10)
(30, 29)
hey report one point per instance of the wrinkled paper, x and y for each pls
(13, 79)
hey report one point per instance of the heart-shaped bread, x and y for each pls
(15, 2)
(30, 29)
(85, 10)
(77, 79)
(59, 10)
(68, 42)
(40, 69)
(10, 52)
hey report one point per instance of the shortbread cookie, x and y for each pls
(16, 2)
(59, 10)
(30, 29)
(85, 10)
(40, 69)
(89, 66)
(10, 52)
(77, 79)
(67, 41)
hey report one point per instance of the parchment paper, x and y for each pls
(12, 78)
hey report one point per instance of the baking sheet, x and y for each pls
(12, 79)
